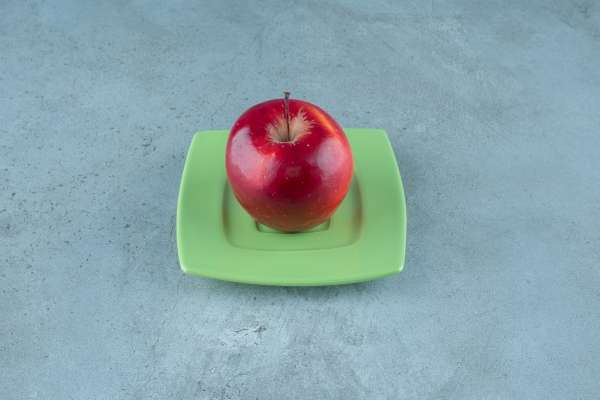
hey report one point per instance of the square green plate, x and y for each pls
(365, 239)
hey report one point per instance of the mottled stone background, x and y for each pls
(493, 109)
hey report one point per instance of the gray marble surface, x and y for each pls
(493, 109)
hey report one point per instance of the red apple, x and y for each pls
(289, 164)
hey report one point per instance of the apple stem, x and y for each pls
(286, 110)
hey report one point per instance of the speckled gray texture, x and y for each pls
(494, 113)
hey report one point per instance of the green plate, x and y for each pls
(365, 239)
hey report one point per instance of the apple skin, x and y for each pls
(288, 179)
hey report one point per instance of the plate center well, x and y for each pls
(342, 229)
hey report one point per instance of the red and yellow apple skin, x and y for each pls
(288, 173)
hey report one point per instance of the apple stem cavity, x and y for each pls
(288, 129)
(286, 110)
